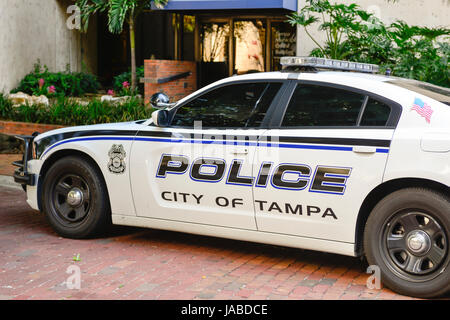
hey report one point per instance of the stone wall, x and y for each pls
(36, 29)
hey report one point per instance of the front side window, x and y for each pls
(313, 105)
(232, 106)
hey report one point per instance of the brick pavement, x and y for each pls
(133, 263)
(6, 168)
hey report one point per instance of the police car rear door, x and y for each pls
(332, 145)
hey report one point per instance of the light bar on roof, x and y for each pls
(324, 63)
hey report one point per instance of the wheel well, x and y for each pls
(57, 156)
(383, 190)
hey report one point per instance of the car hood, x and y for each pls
(132, 125)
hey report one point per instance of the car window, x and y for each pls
(376, 113)
(232, 106)
(313, 105)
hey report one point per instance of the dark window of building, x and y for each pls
(375, 114)
(284, 42)
(232, 106)
(188, 38)
(313, 105)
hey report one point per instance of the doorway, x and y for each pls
(239, 45)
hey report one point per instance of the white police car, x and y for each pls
(351, 163)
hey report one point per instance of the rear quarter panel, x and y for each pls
(420, 149)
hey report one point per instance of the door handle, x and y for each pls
(364, 149)
(239, 152)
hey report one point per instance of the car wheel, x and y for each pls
(406, 236)
(75, 199)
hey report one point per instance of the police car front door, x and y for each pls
(191, 177)
(194, 174)
(315, 184)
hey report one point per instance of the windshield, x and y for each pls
(434, 92)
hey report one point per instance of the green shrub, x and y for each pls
(74, 84)
(126, 77)
(5, 107)
(70, 113)
(353, 34)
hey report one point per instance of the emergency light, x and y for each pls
(323, 63)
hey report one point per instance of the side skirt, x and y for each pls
(343, 248)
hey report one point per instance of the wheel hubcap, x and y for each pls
(415, 244)
(75, 197)
(71, 199)
(418, 242)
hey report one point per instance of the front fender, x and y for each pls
(98, 150)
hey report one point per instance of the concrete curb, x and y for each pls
(8, 182)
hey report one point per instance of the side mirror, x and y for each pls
(160, 101)
(160, 118)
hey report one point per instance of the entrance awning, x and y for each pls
(175, 5)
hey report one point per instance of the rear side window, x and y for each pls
(376, 113)
(313, 105)
(237, 105)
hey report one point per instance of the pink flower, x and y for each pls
(51, 89)
(126, 84)
(111, 92)
(41, 83)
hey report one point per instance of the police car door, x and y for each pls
(199, 169)
(332, 145)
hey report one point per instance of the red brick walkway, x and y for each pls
(6, 168)
(150, 264)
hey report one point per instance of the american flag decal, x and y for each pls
(422, 108)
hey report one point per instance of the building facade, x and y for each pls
(32, 30)
(223, 37)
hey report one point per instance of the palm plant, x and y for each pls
(119, 12)
(337, 21)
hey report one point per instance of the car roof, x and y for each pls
(299, 75)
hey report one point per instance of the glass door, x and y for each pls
(249, 46)
(284, 42)
(214, 52)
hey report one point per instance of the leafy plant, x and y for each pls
(68, 112)
(42, 82)
(5, 107)
(336, 21)
(353, 34)
(119, 12)
(120, 81)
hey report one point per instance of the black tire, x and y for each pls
(89, 214)
(407, 237)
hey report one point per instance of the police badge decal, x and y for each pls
(116, 162)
